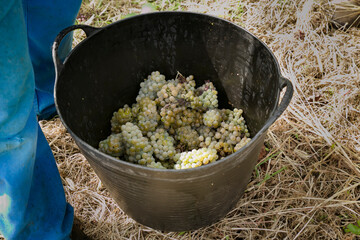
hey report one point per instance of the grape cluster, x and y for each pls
(174, 125)
(212, 118)
(188, 137)
(195, 158)
(151, 86)
(242, 143)
(163, 144)
(230, 133)
(156, 165)
(137, 147)
(179, 91)
(207, 96)
(148, 117)
(225, 114)
(122, 116)
(169, 114)
(113, 145)
(206, 135)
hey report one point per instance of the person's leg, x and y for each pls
(50, 216)
(45, 19)
(18, 127)
(32, 201)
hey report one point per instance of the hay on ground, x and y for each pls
(308, 180)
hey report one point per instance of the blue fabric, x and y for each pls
(32, 200)
(45, 19)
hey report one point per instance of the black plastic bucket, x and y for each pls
(103, 73)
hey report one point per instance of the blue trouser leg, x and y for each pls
(47, 211)
(32, 196)
(32, 201)
(45, 19)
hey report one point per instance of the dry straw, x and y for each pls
(307, 185)
(347, 12)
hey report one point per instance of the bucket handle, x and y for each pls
(89, 31)
(284, 82)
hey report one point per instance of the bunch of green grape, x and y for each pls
(175, 125)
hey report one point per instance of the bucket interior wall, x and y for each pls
(104, 72)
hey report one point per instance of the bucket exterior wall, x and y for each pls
(172, 201)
